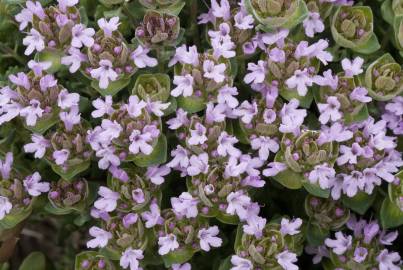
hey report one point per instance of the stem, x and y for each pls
(194, 27)
(9, 53)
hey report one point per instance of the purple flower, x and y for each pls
(291, 117)
(38, 67)
(82, 36)
(156, 174)
(184, 85)
(129, 220)
(109, 26)
(5, 166)
(215, 113)
(327, 79)
(238, 203)
(246, 111)
(167, 244)
(179, 121)
(21, 80)
(316, 50)
(273, 168)
(300, 80)
(61, 156)
(5, 207)
(33, 41)
(360, 94)
(322, 174)
(64, 4)
(198, 164)
(24, 17)
(223, 48)
(152, 217)
(138, 195)
(185, 266)
(349, 154)
(337, 132)
(135, 106)
(197, 135)
(140, 142)
(74, 60)
(213, 71)
(46, 82)
(66, 100)
(108, 200)
(243, 20)
(185, 56)
(185, 205)
(156, 107)
(32, 113)
(276, 37)
(180, 159)
(141, 59)
(104, 73)
(352, 68)
(388, 260)
(226, 145)
(130, 258)
(71, 118)
(287, 259)
(313, 24)
(370, 231)
(102, 107)
(264, 145)
(208, 238)
(254, 226)
(290, 227)
(257, 72)
(38, 146)
(33, 185)
(101, 238)
(330, 110)
(222, 10)
(241, 263)
(341, 244)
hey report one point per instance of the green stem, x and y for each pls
(9, 53)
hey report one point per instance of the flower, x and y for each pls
(135, 106)
(185, 205)
(34, 41)
(360, 94)
(388, 260)
(255, 226)
(33, 186)
(290, 227)
(322, 174)
(82, 36)
(178, 121)
(66, 100)
(197, 135)
(140, 142)
(156, 174)
(185, 266)
(152, 217)
(240, 263)
(352, 68)
(102, 107)
(104, 73)
(74, 60)
(185, 56)
(141, 59)
(38, 67)
(184, 86)
(5, 207)
(198, 164)
(330, 110)
(257, 74)
(246, 111)
(213, 71)
(108, 200)
(32, 112)
(264, 145)
(109, 26)
(101, 237)
(226, 145)
(167, 243)
(313, 24)
(238, 204)
(301, 81)
(38, 146)
(287, 259)
(130, 258)
(341, 244)
(208, 238)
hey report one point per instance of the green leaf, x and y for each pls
(56, 210)
(360, 203)
(178, 256)
(158, 156)
(304, 101)
(390, 215)
(35, 261)
(240, 132)
(72, 170)
(43, 124)
(372, 45)
(387, 11)
(225, 264)
(191, 104)
(358, 117)
(316, 235)
(16, 217)
(316, 190)
(113, 87)
(289, 179)
(227, 219)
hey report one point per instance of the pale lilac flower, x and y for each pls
(222, 34)
(156, 107)
(329, 111)
(178, 121)
(82, 36)
(64, 4)
(108, 200)
(36, 9)
(316, 50)
(156, 174)
(198, 164)
(208, 238)
(246, 111)
(313, 24)
(21, 80)
(181, 158)
(224, 48)
(24, 18)
(291, 117)
(46, 82)
(277, 55)
(140, 142)
(130, 259)
(185, 205)
(61, 156)
(327, 79)
(341, 244)
(5, 165)
(38, 146)
(101, 238)
(104, 73)
(349, 154)
(388, 260)
(370, 231)
(226, 145)
(319, 252)
(74, 59)
(32, 113)
(257, 72)
(110, 130)
(167, 244)
(337, 132)
(322, 174)
(65, 100)
(213, 71)
(129, 220)
(222, 10)
(388, 238)
(287, 259)
(360, 94)
(109, 26)
(197, 135)
(226, 96)
(276, 37)
(33, 185)
(5, 207)
(185, 266)
(290, 227)
(352, 183)
(135, 106)
(141, 59)
(102, 107)
(215, 113)
(138, 195)
(185, 56)
(254, 226)
(33, 41)
(265, 145)
(352, 68)
(301, 81)
(38, 67)
(243, 20)
(273, 168)
(152, 217)
(238, 203)
(184, 86)
(241, 263)
(71, 118)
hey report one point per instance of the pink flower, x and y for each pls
(329, 111)
(34, 41)
(322, 174)
(238, 203)
(167, 244)
(108, 200)
(61, 156)
(109, 26)
(101, 238)
(74, 60)
(300, 80)
(82, 36)
(33, 185)
(313, 24)
(156, 174)
(264, 145)
(352, 68)
(184, 85)
(208, 238)
(141, 59)
(198, 164)
(104, 73)
(130, 258)
(152, 217)
(197, 135)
